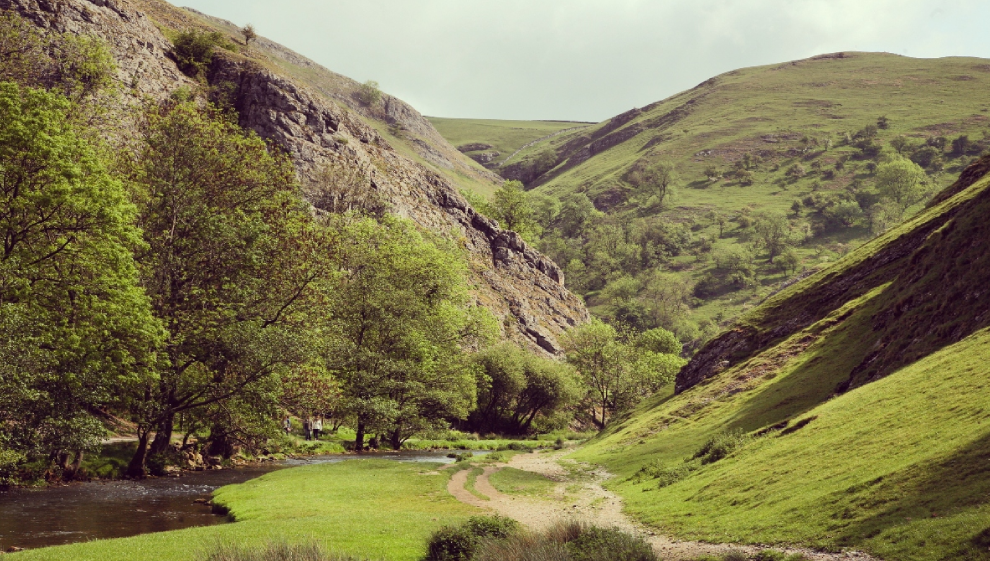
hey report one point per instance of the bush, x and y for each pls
(193, 50)
(568, 541)
(606, 544)
(460, 543)
(721, 446)
(369, 93)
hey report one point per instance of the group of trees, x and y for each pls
(179, 280)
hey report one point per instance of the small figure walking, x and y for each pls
(317, 427)
(287, 425)
(308, 428)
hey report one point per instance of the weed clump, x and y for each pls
(279, 551)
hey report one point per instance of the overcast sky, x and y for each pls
(588, 59)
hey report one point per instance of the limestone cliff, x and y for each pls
(520, 286)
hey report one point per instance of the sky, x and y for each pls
(588, 60)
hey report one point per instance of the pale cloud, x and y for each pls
(589, 59)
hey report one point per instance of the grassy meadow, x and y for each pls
(373, 509)
(505, 137)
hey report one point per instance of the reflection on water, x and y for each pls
(32, 518)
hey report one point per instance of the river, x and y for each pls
(31, 518)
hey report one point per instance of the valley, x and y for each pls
(747, 322)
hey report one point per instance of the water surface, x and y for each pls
(31, 518)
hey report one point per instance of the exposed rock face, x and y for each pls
(520, 286)
(485, 157)
(474, 147)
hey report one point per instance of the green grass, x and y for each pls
(898, 467)
(465, 444)
(505, 137)
(369, 508)
(514, 481)
(471, 480)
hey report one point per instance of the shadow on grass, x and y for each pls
(939, 506)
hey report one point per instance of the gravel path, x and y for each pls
(580, 496)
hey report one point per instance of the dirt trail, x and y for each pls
(580, 496)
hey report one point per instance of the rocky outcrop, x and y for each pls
(521, 287)
(474, 147)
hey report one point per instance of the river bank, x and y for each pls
(371, 508)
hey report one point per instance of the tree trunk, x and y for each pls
(359, 437)
(136, 467)
(163, 438)
(395, 439)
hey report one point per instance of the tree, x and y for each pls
(960, 145)
(883, 122)
(517, 389)
(232, 262)
(193, 50)
(773, 232)
(713, 174)
(249, 34)
(900, 144)
(77, 329)
(545, 162)
(369, 93)
(658, 181)
(901, 181)
(603, 363)
(400, 319)
(510, 206)
(666, 297)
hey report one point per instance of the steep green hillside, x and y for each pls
(850, 410)
(801, 140)
(492, 142)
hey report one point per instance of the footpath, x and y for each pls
(582, 498)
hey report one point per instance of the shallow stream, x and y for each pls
(31, 518)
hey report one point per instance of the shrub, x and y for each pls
(369, 93)
(460, 543)
(606, 544)
(193, 50)
(567, 541)
(721, 446)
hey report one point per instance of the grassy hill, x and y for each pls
(493, 142)
(850, 410)
(801, 139)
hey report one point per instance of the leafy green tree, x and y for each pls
(510, 206)
(883, 122)
(517, 389)
(400, 320)
(901, 181)
(545, 162)
(603, 363)
(659, 182)
(77, 328)
(660, 341)
(773, 232)
(194, 49)
(232, 263)
(666, 297)
(900, 143)
(369, 93)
